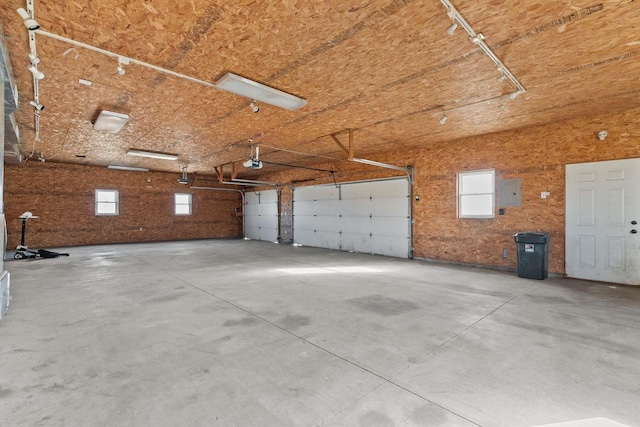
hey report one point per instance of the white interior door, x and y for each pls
(602, 215)
(371, 217)
(261, 215)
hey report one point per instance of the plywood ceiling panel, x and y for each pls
(385, 68)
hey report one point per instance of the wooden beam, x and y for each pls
(348, 151)
(220, 172)
(235, 168)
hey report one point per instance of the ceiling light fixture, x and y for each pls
(229, 82)
(452, 28)
(28, 21)
(478, 39)
(444, 118)
(110, 122)
(152, 154)
(128, 168)
(33, 58)
(38, 75)
(258, 92)
(37, 106)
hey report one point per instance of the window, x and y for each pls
(183, 203)
(476, 193)
(106, 202)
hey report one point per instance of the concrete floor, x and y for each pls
(236, 333)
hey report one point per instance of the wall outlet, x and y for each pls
(504, 253)
(544, 194)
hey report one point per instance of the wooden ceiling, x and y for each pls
(385, 68)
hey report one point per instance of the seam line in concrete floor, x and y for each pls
(465, 329)
(385, 380)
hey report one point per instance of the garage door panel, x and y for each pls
(355, 225)
(356, 243)
(261, 215)
(251, 221)
(390, 246)
(269, 209)
(251, 198)
(252, 231)
(328, 223)
(304, 222)
(306, 237)
(356, 207)
(327, 207)
(380, 208)
(316, 193)
(356, 191)
(389, 226)
(304, 207)
(391, 206)
(328, 240)
(388, 187)
(268, 234)
(269, 196)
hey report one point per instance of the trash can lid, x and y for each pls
(528, 237)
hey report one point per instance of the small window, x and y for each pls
(476, 194)
(107, 202)
(183, 203)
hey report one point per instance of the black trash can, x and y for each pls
(533, 255)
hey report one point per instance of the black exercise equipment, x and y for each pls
(22, 251)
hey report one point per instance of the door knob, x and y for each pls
(634, 231)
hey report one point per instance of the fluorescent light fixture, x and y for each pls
(128, 168)
(110, 122)
(257, 91)
(152, 155)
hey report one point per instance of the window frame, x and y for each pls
(176, 204)
(116, 203)
(460, 195)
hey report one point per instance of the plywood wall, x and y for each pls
(62, 196)
(537, 156)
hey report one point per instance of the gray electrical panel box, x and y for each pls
(508, 192)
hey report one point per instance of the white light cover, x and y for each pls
(111, 122)
(253, 90)
(128, 168)
(152, 155)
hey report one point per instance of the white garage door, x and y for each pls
(261, 215)
(372, 217)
